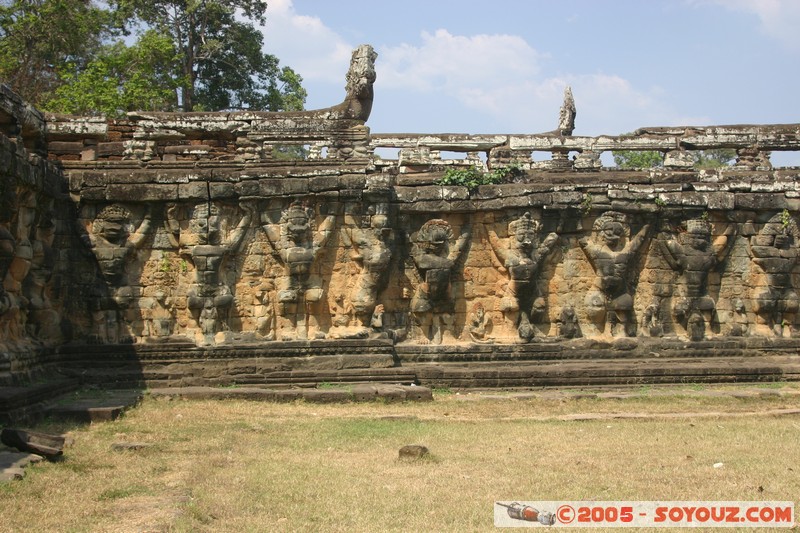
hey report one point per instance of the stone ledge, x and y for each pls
(356, 393)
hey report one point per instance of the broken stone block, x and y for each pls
(413, 451)
(49, 446)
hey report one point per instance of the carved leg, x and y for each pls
(447, 326)
(422, 327)
(525, 329)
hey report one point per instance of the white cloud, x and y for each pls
(498, 79)
(449, 62)
(780, 19)
(479, 83)
(306, 44)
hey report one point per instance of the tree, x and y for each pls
(119, 79)
(712, 158)
(38, 37)
(65, 56)
(219, 59)
(638, 159)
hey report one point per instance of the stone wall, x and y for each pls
(37, 244)
(244, 229)
(302, 252)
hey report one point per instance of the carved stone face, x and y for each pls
(207, 229)
(298, 228)
(525, 239)
(698, 240)
(380, 223)
(113, 228)
(437, 242)
(611, 234)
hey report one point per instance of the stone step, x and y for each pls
(617, 372)
(355, 393)
(25, 403)
(94, 405)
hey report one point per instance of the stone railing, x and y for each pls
(752, 144)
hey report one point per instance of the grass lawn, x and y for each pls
(249, 466)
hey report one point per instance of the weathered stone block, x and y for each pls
(150, 192)
(760, 201)
(193, 191)
(323, 183)
(220, 191)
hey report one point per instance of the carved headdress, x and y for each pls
(112, 212)
(782, 224)
(435, 231)
(612, 216)
(698, 226)
(524, 223)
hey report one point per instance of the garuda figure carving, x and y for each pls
(297, 243)
(204, 244)
(435, 259)
(694, 256)
(612, 253)
(114, 246)
(522, 258)
(775, 251)
(371, 251)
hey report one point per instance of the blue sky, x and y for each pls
(500, 66)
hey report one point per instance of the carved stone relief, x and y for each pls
(203, 243)
(297, 241)
(370, 242)
(774, 250)
(612, 253)
(693, 255)
(436, 253)
(521, 257)
(114, 241)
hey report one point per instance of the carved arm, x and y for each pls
(172, 225)
(545, 248)
(323, 233)
(238, 234)
(460, 244)
(137, 239)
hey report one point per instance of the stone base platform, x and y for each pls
(280, 371)
(580, 362)
(28, 402)
(355, 393)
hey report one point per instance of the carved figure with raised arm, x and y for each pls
(775, 251)
(114, 246)
(612, 253)
(204, 244)
(694, 255)
(435, 252)
(522, 257)
(297, 242)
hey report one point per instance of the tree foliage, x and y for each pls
(120, 78)
(638, 159)
(713, 158)
(67, 56)
(219, 59)
(38, 38)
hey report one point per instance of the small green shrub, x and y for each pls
(473, 177)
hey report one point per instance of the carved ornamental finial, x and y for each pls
(566, 121)
(360, 78)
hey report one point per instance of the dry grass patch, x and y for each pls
(247, 466)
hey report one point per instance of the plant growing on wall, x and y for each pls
(473, 177)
